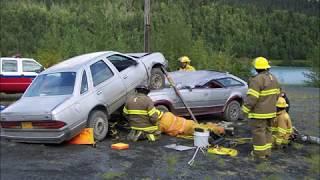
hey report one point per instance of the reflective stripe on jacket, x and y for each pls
(262, 96)
(140, 111)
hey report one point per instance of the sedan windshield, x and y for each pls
(61, 83)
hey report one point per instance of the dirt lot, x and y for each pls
(153, 161)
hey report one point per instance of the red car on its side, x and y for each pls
(16, 74)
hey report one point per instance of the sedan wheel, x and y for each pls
(99, 122)
(232, 111)
(157, 79)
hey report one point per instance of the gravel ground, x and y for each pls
(146, 160)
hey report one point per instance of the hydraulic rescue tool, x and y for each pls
(170, 80)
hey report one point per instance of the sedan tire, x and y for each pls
(99, 122)
(157, 79)
(232, 111)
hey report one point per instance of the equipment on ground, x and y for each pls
(179, 147)
(227, 127)
(201, 138)
(85, 137)
(223, 151)
(200, 141)
(178, 93)
(120, 146)
(298, 137)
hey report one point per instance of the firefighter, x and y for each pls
(260, 105)
(142, 116)
(185, 64)
(281, 126)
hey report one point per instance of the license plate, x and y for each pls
(26, 125)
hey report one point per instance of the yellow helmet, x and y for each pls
(281, 103)
(260, 63)
(184, 59)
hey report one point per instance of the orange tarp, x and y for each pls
(174, 125)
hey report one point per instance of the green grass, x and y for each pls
(171, 161)
(314, 163)
(221, 162)
(272, 177)
(297, 146)
(267, 167)
(112, 175)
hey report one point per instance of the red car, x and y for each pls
(16, 74)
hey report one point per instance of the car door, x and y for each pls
(85, 102)
(206, 99)
(10, 80)
(216, 96)
(132, 72)
(109, 89)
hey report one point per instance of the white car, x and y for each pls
(16, 74)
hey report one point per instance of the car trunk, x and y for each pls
(32, 108)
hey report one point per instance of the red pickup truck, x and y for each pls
(16, 74)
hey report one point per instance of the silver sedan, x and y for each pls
(205, 92)
(80, 92)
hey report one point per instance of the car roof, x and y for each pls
(196, 77)
(13, 58)
(73, 64)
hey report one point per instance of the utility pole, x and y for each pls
(147, 26)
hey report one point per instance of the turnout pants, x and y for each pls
(151, 133)
(261, 136)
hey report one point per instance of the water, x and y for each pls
(290, 75)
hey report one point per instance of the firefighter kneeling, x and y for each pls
(281, 125)
(142, 116)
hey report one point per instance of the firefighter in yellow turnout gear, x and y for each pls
(260, 105)
(142, 116)
(185, 64)
(178, 126)
(281, 126)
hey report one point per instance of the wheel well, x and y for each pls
(237, 98)
(99, 108)
(157, 66)
(240, 100)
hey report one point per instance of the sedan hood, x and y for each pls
(34, 105)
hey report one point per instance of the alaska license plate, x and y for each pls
(26, 125)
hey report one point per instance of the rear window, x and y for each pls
(228, 82)
(53, 84)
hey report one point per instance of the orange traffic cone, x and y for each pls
(85, 137)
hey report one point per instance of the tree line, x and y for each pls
(215, 34)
